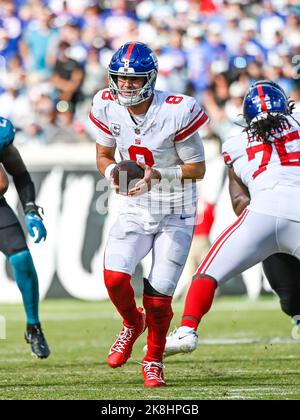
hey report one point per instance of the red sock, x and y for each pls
(122, 295)
(158, 317)
(198, 301)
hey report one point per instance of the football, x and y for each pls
(126, 174)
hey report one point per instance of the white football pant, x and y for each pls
(170, 244)
(251, 239)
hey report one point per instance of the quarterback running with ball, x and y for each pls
(160, 131)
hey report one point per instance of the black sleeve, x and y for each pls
(14, 165)
(26, 191)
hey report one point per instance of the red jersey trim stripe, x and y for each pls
(200, 113)
(227, 158)
(99, 124)
(262, 98)
(220, 242)
(192, 129)
(129, 51)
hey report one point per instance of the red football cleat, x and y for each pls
(153, 374)
(121, 350)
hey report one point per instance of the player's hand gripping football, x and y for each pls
(151, 177)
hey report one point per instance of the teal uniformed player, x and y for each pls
(12, 239)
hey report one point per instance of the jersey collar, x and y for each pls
(150, 117)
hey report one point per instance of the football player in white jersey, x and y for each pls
(265, 162)
(158, 129)
(282, 270)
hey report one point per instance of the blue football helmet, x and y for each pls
(137, 60)
(263, 98)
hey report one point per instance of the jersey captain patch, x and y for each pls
(115, 129)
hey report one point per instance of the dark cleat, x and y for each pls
(35, 337)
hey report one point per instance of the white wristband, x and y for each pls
(108, 170)
(171, 174)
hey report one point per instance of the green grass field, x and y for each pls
(80, 334)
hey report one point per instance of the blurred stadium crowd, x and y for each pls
(54, 55)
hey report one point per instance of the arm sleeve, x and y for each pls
(192, 119)
(191, 150)
(26, 191)
(14, 165)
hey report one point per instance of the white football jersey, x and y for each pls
(270, 171)
(160, 140)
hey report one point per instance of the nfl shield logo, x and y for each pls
(115, 129)
(137, 141)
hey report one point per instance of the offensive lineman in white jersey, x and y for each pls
(265, 160)
(158, 129)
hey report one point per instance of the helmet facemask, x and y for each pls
(137, 95)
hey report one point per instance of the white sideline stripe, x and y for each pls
(233, 341)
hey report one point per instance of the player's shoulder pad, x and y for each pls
(7, 132)
(99, 113)
(190, 116)
(101, 102)
(177, 102)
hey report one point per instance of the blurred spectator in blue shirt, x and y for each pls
(199, 60)
(118, 19)
(10, 29)
(270, 22)
(173, 60)
(38, 39)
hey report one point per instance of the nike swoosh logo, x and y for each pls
(192, 109)
(183, 336)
